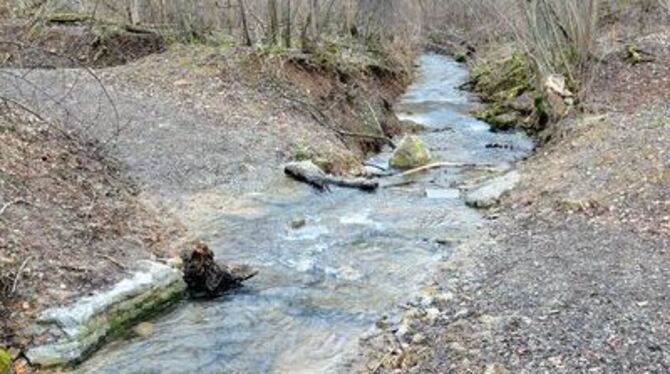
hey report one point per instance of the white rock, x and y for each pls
(88, 321)
(489, 193)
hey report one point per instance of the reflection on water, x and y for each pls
(324, 284)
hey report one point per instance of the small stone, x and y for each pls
(432, 314)
(496, 369)
(143, 329)
(175, 262)
(457, 347)
(14, 353)
(427, 301)
(298, 223)
(25, 305)
(418, 338)
(444, 297)
(20, 366)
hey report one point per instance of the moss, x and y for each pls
(5, 362)
(301, 151)
(504, 79)
(68, 17)
(500, 118)
(461, 57)
(499, 84)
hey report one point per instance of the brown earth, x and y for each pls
(70, 222)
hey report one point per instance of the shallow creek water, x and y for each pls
(321, 286)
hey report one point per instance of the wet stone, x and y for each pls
(88, 321)
(489, 193)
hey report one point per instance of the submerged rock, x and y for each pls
(489, 193)
(411, 153)
(143, 329)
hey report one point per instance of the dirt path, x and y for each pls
(170, 143)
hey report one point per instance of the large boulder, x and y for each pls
(411, 153)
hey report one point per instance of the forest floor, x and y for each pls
(121, 163)
(573, 274)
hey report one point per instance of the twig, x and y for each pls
(7, 205)
(437, 165)
(81, 269)
(114, 261)
(18, 275)
(310, 107)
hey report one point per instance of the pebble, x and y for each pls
(418, 339)
(143, 329)
(496, 369)
(175, 263)
(432, 314)
(298, 223)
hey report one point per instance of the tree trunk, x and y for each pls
(287, 24)
(315, 12)
(245, 26)
(134, 12)
(273, 18)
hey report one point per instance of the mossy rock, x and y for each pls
(499, 118)
(502, 80)
(411, 153)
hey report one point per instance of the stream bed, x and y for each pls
(331, 264)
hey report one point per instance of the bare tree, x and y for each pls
(287, 23)
(315, 13)
(245, 25)
(273, 20)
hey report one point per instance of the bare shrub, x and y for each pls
(558, 36)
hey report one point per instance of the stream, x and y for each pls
(357, 256)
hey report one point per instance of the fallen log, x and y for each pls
(206, 278)
(308, 172)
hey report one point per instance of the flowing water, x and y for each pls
(324, 284)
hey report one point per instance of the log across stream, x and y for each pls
(354, 257)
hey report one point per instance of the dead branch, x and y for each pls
(89, 71)
(114, 261)
(7, 205)
(17, 278)
(308, 172)
(321, 118)
(438, 165)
